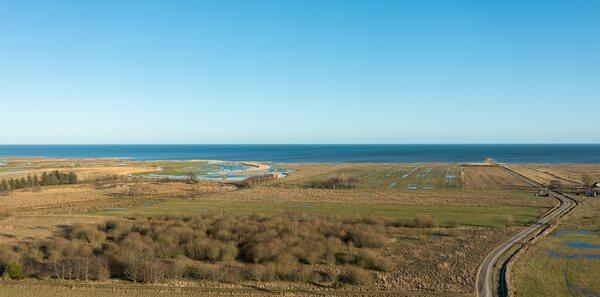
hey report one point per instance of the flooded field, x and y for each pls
(411, 177)
(421, 176)
(577, 244)
(567, 262)
(210, 170)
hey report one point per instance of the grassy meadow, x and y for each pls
(565, 263)
(445, 215)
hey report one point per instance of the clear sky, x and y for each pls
(79, 72)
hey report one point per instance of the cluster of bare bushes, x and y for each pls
(139, 190)
(420, 221)
(107, 181)
(289, 247)
(336, 182)
(258, 179)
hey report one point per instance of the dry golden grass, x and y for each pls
(407, 197)
(29, 228)
(543, 176)
(483, 177)
(84, 168)
(570, 172)
(69, 199)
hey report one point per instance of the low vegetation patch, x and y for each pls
(5, 213)
(289, 247)
(258, 179)
(420, 221)
(336, 182)
(107, 181)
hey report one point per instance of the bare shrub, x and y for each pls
(285, 266)
(586, 180)
(420, 221)
(139, 189)
(259, 272)
(507, 220)
(87, 233)
(134, 260)
(137, 269)
(229, 252)
(311, 251)
(203, 271)
(369, 260)
(167, 249)
(260, 252)
(107, 181)
(323, 277)
(556, 185)
(335, 182)
(203, 249)
(258, 179)
(369, 220)
(214, 272)
(191, 177)
(345, 258)
(5, 213)
(177, 267)
(355, 276)
(425, 221)
(81, 268)
(361, 237)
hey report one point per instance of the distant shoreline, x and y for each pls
(387, 153)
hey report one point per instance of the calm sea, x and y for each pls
(405, 153)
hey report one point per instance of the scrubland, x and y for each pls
(400, 229)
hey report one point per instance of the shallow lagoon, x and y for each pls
(215, 171)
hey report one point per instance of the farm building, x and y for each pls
(593, 190)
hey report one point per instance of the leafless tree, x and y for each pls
(586, 179)
(555, 184)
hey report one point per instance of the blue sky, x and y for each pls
(81, 72)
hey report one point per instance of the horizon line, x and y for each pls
(258, 144)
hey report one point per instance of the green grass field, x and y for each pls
(484, 216)
(555, 268)
(567, 262)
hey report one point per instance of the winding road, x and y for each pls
(485, 275)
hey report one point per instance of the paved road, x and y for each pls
(485, 275)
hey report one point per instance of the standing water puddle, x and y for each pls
(582, 245)
(576, 247)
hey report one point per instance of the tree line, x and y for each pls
(46, 179)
